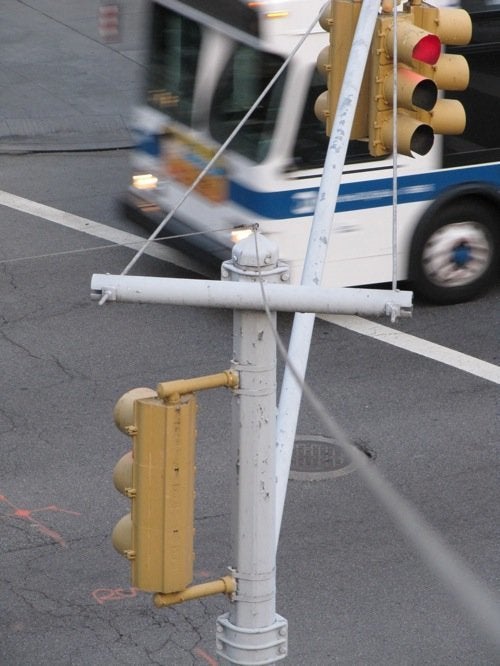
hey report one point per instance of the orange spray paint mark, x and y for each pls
(198, 652)
(27, 515)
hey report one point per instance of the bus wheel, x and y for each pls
(455, 254)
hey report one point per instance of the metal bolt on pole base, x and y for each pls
(252, 647)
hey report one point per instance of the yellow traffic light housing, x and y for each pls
(414, 91)
(453, 26)
(158, 477)
(420, 71)
(339, 18)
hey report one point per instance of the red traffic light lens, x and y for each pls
(427, 49)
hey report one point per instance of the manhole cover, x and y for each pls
(316, 457)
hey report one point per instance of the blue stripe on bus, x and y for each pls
(363, 194)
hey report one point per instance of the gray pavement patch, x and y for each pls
(68, 133)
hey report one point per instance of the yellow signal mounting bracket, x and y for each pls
(224, 585)
(172, 391)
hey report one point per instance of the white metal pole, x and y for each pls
(254, 420)
(252, 633)
(300, 340)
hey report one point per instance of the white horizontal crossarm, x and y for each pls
(248, 296)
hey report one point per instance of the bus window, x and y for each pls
(311, 144)
(174, 54)
(246, 75)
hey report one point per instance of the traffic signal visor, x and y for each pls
(413, 43)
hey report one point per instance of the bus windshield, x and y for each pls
(246, 75)
(174, 52)
(311, 143)
(174, 55)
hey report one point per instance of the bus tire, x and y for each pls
(455, 254)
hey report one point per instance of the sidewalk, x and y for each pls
(61, 86)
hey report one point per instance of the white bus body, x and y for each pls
(203, 75)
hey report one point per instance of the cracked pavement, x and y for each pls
(66, 598)
(351, 589)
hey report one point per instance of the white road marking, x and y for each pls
(99, 230)
(473, 366)
(411, 343)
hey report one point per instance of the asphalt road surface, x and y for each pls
(421, 398)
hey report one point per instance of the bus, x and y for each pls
(208, 62)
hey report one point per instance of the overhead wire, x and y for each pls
(117, 245)
(395, 147)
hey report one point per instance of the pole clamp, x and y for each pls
(251, 647)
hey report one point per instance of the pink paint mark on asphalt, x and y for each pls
(104, 594)
(28, 516)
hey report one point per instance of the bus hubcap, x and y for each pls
(457, 254)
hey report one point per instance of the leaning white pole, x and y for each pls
(300, 341)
